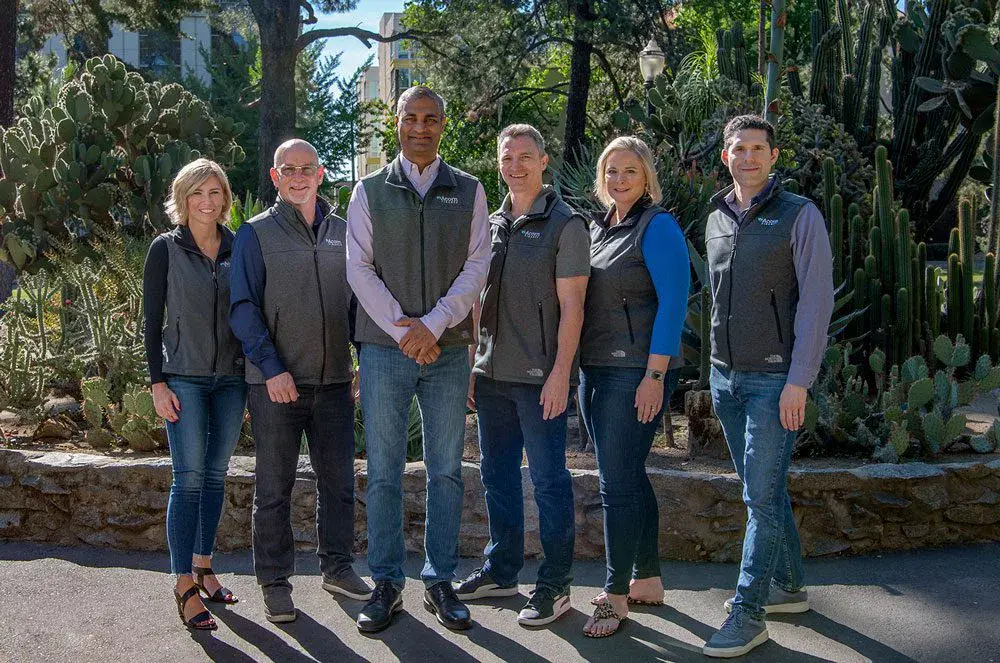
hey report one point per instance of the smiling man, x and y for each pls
(529, 326)
(417, 254)
(290, 309)
(771, 273)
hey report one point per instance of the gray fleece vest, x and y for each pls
(519, 323)
(197, 339)
(621, 299)
(755, 291)
(419, 245)
(306, 297)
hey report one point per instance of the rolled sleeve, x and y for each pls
(813, 261)
(370, 291)
(456, 304)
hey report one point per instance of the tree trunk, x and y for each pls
(279, 23)
(8, 40)
(579, 86)
(761, 40)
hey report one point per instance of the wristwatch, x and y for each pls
(654, 374)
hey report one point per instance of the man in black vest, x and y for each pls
(529, 325)
(417, 254)
(290, 309)
(771, 274)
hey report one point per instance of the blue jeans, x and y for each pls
(325, 415)
(201, 442)
(747, 406)
(622, 442)
(389, 381)
(510, 423)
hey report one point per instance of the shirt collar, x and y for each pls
(765, 192)
(538, 206)
(412, 171)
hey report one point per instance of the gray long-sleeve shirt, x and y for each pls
(813, 262)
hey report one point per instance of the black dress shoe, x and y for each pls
(441, 600)
(376, 615)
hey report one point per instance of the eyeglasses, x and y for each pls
(292, 171)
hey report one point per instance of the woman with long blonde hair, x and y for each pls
(196, 371)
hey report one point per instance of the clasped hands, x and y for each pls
(419, 343)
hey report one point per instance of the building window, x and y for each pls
(160, 54)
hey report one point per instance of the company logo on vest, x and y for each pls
(531, 234)
(333, 242)
(769, 222)
(453, 200)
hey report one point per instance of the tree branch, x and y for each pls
(311, 18)
(366, 37)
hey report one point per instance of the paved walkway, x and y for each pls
(85, 604)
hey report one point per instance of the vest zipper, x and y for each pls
(777, 318)
(423, 266)
(541, 329)
(496, 333)
(215, 319)
(729, 306)
(628, 320)
(322, 312)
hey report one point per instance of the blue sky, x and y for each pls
(365, 16)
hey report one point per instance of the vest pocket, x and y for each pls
(541, 329)
(177, 336)
(628, 321)
(777, 318)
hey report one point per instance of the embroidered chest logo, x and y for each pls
(224, 263)
(531, 234)
(333, 242)
(447, 200)
(768, 222)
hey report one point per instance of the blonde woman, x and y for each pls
(196, 371)
(635, 307)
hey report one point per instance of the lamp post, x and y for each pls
(651, 64)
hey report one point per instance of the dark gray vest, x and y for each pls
(306, 297)
(419, 245)
(519, 323)
(755, 292)
(621, 299)
(197, 340)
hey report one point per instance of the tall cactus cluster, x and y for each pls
(101, 157)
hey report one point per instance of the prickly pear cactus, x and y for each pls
(102, 157)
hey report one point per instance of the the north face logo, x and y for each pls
(536, 372)
(618, 353)
(446, 200)
(769, 222)
(774, 359)
(333, 242)
(531, 234)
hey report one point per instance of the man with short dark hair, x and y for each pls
(771, 273)
(417, 254)
(529, 323)
(290, 309)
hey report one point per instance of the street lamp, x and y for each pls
(651, 64)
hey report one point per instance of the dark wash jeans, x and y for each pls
(201, 442)
(622, 442)
(747, 406)
(326, 415)
(510, 424)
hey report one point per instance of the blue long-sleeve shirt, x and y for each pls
(247, 278)
(665, 251)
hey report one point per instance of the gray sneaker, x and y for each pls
(778, 600)
(480, 585)
(350, 584)
(738, 635)
(544, 607)
(278, 605)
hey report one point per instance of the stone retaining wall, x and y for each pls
(71, 498)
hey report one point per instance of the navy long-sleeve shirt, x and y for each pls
(247, 278)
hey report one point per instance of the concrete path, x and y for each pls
(78, 605)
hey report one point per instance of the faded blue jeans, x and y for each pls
(389, 381)
(747, 406)
(511, 424)
(201, 442)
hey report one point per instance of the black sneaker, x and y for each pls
(480, 585)
(544, 607)
(376, 615)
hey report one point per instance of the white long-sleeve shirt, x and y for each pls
(371, 291)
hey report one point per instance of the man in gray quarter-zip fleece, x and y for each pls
(529, 323)
(290, 309)
(771, 275)
(417, 254)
